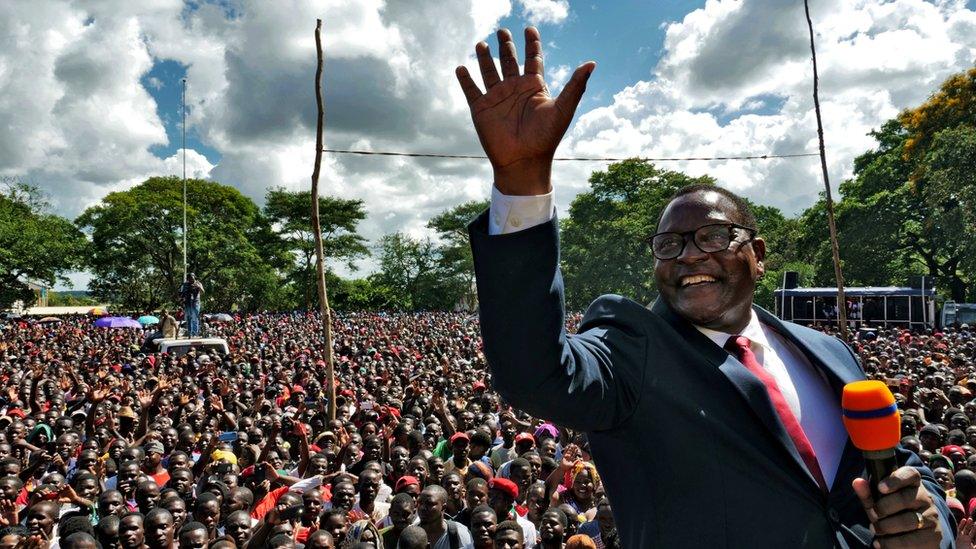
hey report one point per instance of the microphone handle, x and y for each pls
(880, 464)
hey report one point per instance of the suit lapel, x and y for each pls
(745, 382)
(838, 372)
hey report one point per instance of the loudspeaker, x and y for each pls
(792, 280)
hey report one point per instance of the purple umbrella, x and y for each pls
(117, 322)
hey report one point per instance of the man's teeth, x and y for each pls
(696, 279)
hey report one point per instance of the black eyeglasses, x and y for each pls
(712, 238)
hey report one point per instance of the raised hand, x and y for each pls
(517, 120)
(570, 455)
(966, 534)
(9, 515)
(67, 494)
(145, 398)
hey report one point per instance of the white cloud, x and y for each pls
(80, 123)
(556, 78)
(545, 11)
(735, 78)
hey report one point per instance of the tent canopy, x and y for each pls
(864, 291)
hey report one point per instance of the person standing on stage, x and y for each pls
(191, 292)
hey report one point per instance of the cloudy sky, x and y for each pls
(90, 91)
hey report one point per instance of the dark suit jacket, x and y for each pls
(691, 452)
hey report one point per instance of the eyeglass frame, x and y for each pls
(684, 239)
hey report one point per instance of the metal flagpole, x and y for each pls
(184, 179)
(186, 320)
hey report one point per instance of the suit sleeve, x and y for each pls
(590, 381)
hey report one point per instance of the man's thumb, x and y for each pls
(570, 97)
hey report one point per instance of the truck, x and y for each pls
(958, 313)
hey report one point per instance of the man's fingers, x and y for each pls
(863, 491)
(900, 479)
(906, 521)
(928, 537)
(533, 52)
(572, 92)
(908, 499)
(489, 74)
(506, 54)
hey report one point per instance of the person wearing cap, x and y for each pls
(502, 494)
(523, 443)
(701, 365)
(459, 462)
(152, 464)
(408, 484)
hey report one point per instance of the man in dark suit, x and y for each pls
(712, 422)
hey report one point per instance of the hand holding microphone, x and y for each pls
(900, 509)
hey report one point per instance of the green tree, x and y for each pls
(456, 260)
(950, 185)
(782, 254)
(361, 294)
(136, 251)
(891, 227)
(411, 270)
(604, 240)
(35, 245)
(291, 213)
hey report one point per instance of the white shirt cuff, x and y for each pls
(509, 213)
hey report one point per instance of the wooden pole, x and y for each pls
(317, 229)
(834, 246)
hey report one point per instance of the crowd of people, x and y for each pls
(103, 443)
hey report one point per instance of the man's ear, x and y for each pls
(759, 250)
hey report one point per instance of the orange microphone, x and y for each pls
(873, 422)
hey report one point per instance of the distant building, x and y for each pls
(40, 292)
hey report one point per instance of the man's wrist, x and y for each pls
(529, 177)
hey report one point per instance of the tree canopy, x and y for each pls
(605, 238)
(35, 245)
(136, 245)
(290, 213)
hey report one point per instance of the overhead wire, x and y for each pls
(576, 159)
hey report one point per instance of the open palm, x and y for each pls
(518, 122)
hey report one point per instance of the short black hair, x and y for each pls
(744, 215)
(511, 525)
(560, 515)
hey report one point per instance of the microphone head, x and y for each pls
(871, 416)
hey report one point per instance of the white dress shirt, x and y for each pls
(805, 389)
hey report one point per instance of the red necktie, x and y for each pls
(740, 347)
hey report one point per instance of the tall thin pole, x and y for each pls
(317, 228)
(184, 180)
(835, 247)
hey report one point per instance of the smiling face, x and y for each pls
(713, 290)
